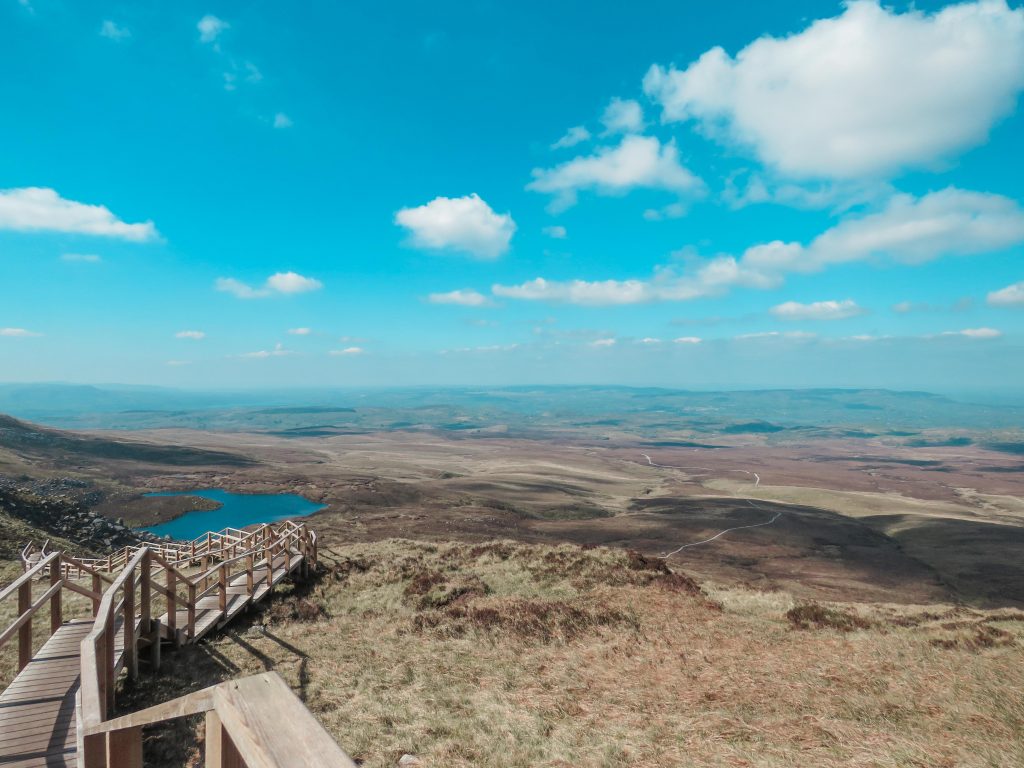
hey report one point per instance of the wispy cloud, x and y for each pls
(81, 258)
(603, 343)
(799, 335)
(909, 230)
(463, 298)
(300, 331)
(688, 340)
(278, 284)
(114, 31)
(818, 310)
(464, 224)
(40, 209)
(623, 116)
(281, 120)
(18, 333)
(975, 333)
(210, 28)
(572, 137)
(348, 351)
(193, 335)
(1010, 296)
(557, 231)
(279, 350)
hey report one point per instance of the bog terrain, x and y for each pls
(536, 577)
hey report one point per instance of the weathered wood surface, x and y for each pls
(37, 711)
(38, 725)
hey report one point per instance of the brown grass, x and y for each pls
(578, 657)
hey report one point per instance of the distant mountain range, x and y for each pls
(648, 411)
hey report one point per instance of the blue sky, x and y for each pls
(677, 193)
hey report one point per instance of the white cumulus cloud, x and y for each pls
(817, 310)
(464, 298)
(194, 335)
(1010, 296)
(599, 343)
(866, 93)
(465, 224)
(688, 340)
(280, 283)
(40, 209)
(637, 162)
(348, 351)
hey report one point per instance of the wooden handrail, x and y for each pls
(97, 692)
(254, 722)
(27, 576)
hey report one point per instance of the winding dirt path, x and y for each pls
(709, 470)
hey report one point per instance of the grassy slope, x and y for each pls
(515, 655)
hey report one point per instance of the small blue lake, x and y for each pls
(237, 511)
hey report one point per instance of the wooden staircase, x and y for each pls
(59, 710)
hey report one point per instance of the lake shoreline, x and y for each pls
(219, 509)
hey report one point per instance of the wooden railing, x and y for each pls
(125, 610)
(255, 722)
(27, 608)
(213, 544)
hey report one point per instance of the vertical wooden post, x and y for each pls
(25, 633)
(110, 564)
(268, 553)
(131, 649)
(97, 588)
(154, 646)
(191, 611)
(94, 751)
(145, 593)
(222, 583)
(108, 662)
(124, 748)
(220, 750)
(214, 743)
(172, 605)
(248, 575)
(56, 607)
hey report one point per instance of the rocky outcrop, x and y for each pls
(61, 507)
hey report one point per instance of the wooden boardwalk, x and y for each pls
(37, 711)
(40, 710)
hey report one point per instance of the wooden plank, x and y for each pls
(37, 711)
(124, 748)
(252, 710)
